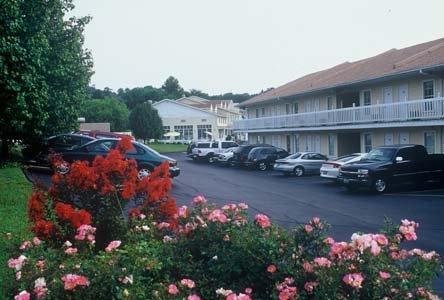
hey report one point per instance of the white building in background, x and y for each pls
(197, 119)
(393, 98)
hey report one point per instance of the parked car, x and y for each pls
(56, 144)
(147, 159)
(190, 147)
(330, 169)
(240, 155)
(208, 150)
(391, 165)
(103, 134)
(301, 163)
(263, 158)
(226, 157)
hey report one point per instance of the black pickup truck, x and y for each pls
(391, 165)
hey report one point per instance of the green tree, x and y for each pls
(135, 96)
(44, 69)
(145, 122)
(107, 110)
(172, 88)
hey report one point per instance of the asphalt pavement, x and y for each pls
(290, 201)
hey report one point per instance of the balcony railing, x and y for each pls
(425, 109)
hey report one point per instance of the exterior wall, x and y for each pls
(194, 122)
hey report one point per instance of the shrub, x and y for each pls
(201, 251)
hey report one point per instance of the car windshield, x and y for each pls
(347, 158)
(381, 154)
(294, 156)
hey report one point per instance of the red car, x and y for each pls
(103, 134)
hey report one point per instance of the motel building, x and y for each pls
(395, 97)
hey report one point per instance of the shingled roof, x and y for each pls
(388, 63)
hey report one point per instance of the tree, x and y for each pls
(44, 70)
(107, 110)
(135, 96)
(172, 88)
(145, 122)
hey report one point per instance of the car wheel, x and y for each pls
(380, 185)
(63, 168)
(210, 159)
(299, 171)
(143, 172)
(262, 166)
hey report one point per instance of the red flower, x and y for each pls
(36, 206)
(66, 212)
(43, 229)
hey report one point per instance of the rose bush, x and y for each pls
(199, 251)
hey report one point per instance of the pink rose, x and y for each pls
(25, 245)
(310, 286)
(36, 241)
(354, 280)
(112, 245)
(307, 267)
(329, 241)
(182, 211)
(308, 228)
(188, 283)
(288, 293)
(271, 268)
(17, 263)
(380, 239)
(40, 264)
(71, 281)
(217, 216)
(193, 297)
(262, 221)
(40, 288)
(384, 275)
(173, 290)
(163, 225)
(71, 250)
(23, 295)
(248, 291)
(242, 205)
(199, 200)
(375, 249)
(322, 262)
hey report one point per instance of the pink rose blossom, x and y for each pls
(262, 221)
(163, 225)
(25, 245)
(85, 232)
(173, 290)
(193, 297)
(40, 264)
(375, 249)
(288, 293)
(23, 295)
(241, 296)
(36, 241)
(18, 275)
(322, 262)
(40, 288)
(380, 239)
(354, 280)
(167, 239)
(271, 268)
(71, 250)
(329, 241)
(112, 245)
(248, 291)
(182, 211)
(384, 275)
(72, 281)
(217, 216)
(310, 286)
(17, 263)
(242, 205)
(308, 228)
(307, 267)
(188, 283)
(199, 200)
(429, 255)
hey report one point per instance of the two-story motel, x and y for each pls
(395, 97)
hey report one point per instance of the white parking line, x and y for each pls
(416, 195)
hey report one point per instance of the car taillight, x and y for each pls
(173, 163)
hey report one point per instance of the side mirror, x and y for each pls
(398, 159)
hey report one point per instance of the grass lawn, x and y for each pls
(14, 192)
(168, 148)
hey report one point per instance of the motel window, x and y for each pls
(366, 98)
(367, 142)
(429, 141)
(186, 132)
(331, 145)
(329, 102)
(428, 88)
(257, 112)
(263, 111)
(202, 131)
(295, 108)
(287, 108)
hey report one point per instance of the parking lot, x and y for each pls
(290, 201)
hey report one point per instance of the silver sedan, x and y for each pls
(301, 163)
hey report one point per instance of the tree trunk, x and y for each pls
(4, 155)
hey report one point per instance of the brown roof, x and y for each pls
(388, 63)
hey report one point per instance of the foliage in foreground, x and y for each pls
(198, 252)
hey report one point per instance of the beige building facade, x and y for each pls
(393, 98)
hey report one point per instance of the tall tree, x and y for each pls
(44, 69)
(145, 122)
(107, 110)
(135, 96)
(172, 88)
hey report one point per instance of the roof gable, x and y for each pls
(172, 109)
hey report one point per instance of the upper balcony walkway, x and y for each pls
(351, 117)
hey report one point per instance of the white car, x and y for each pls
(330, 169)
(300, 163)
(226, 157)
(209, 150)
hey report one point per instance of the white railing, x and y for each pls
(425, 109)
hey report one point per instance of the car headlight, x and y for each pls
(363, 171)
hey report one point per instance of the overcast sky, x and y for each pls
(245, 45)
